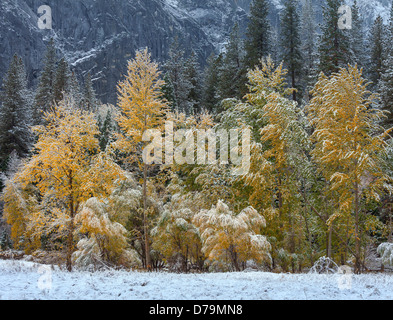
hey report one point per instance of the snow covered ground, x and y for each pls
(27, 280)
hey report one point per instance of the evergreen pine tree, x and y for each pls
(291, 44)
(233, 78)
(45, 92)
(89, 102)
(62, 80)
(334, 47)
(211, 86)
(15, 133)
(193, 75)
(257, 44)
(74, 89)
(376, 47)
(387, 38)
(308, 47)
(176, 70)
(386, 90)
(106, 128)
(275, 46)
(168, 92)
(386, 81)
(357, 38)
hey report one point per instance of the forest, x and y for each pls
(76, 187)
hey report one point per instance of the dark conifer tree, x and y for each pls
(45, 98)
(386, 81)
(106, 129)
(75, 90)
(233, 76)
(291, 45)
(211, 85)
(175, 67)
(89, 100)
(168, 92)
(193, 76)
(376, 54)
(15, 134)
(334, 48)
(309, 48)
(258, 34)
(62, 80)
(357, 40)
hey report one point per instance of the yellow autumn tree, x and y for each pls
(278, 156)
(227, 236)
(349, 145)
(106, 243)
(176, 237)
(141, 109)
(65, 170)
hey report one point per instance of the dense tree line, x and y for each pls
(76, 181)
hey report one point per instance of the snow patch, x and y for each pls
(24, 280)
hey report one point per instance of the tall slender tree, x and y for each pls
(89, 100)
(386, 81)
(334, 49)
(142, 108)
(15, 134)
(233, 77)
(349, 148)
(258, 34)
(193, 75)
(376, 46)
(75, 90)
(211, 84)
(61, 83)
(309, 47)
(356, 36)
(45, 92)
(168, 92)
(291, 45)
(176, 70)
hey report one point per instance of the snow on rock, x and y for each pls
(27, 280)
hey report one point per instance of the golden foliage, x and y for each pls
(235, 237)
(64, 171)
(140, 101)
(349, 141)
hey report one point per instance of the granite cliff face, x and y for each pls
(99, 36)
(96, 36)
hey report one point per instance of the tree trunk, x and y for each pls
(147, 246)
(294, 93)
(70, 245)
(71, 228)
(357, 235)
(234, 258)
(346, 241)
(309, 236)
(390, 223)
(329, 242)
